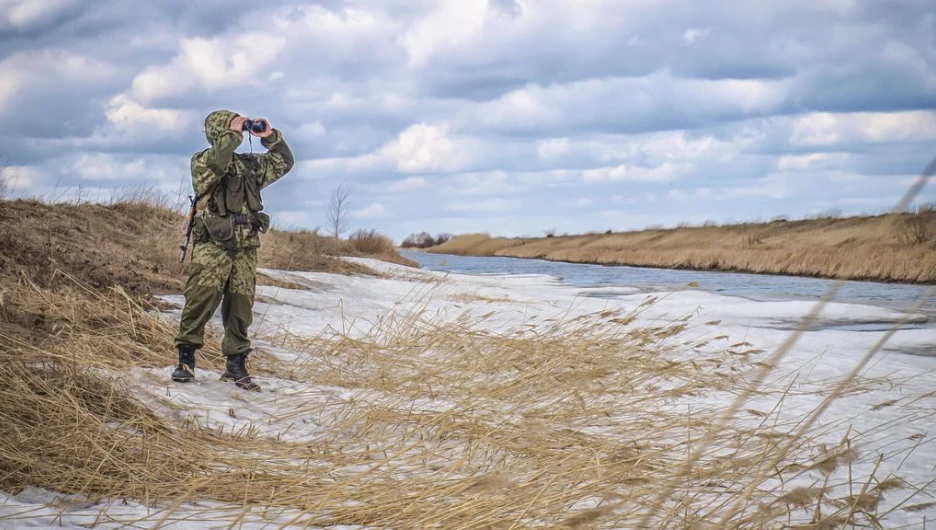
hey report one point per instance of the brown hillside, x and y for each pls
(890, 248)
(132, 246)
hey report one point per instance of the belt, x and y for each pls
(241, 219)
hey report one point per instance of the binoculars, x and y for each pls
(255, 126)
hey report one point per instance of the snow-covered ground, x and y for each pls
(895, 410)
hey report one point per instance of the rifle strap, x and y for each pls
(202, 202)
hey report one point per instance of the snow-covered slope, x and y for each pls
(891, 411)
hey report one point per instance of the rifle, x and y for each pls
(187, 231)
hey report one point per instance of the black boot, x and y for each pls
(236, 370)
(185, 372)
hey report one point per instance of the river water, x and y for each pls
(752, 286)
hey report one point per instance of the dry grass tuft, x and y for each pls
(800, 497)
(370, 242)
(305, 250)
(263, 279)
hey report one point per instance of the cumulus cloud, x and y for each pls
(452, 23)
(209, 64)
(25, 14)
(371, 211)
(693, 34)
(822, 129)
(423, 147)
(18, 177)
(408, 184)
(126, 114)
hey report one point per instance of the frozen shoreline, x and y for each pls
(502, 304)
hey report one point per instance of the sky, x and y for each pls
(510, 117)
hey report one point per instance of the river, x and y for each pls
(766, 287)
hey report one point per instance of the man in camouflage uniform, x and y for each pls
(226, 237)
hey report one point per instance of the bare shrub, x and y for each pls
(915, 229)
(370, 242)
(425, 240)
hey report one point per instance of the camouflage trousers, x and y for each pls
(219, 277)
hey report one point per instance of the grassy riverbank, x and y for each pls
(887, 248)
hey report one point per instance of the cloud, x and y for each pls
(209, 64)
(499, 115)
(408, 184)
(823, 129)
(553, 148)
(657, 101)
(662, 173)
(33, 78)
(126, 114)
(24, 14)
(423, 147)
(452, 23)
(372, 211)
(16, 178)
(694, 34)
(811, 161)
(496, 183)
(311, 131)
(488, 205)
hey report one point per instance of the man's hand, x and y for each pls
(266, 132)
(237, 124)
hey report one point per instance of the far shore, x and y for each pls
(892, 248)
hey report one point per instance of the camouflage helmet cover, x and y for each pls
(217, 122)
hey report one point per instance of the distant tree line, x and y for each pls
(424, 240)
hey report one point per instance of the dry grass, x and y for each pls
(473, 245)
(574, 424)
(370, 242)
(131, 245)
(134, 243)
(374, 244)
(264, 279)
(894, 247)
(307, 250)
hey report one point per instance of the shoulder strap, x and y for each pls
(203, 200)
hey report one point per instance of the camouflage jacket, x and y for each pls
(219, 175)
